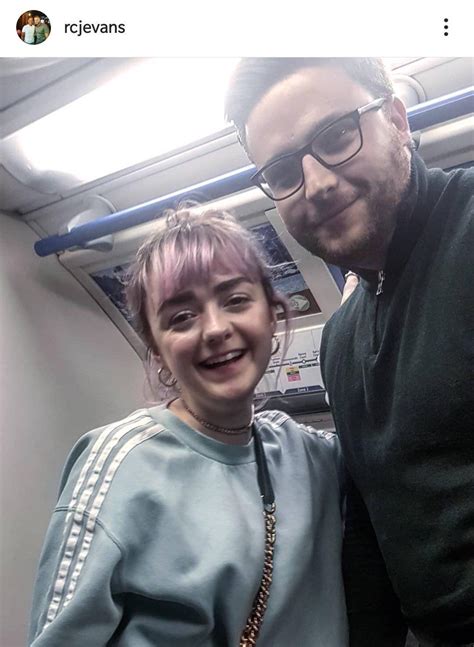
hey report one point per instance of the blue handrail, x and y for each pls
(436, 111)
(215, 188)
(421, 116)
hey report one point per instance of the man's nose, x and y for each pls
(319, 181)
(216, 326)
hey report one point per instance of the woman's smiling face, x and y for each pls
(215, 339)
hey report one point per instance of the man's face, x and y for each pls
(37, 20)
(346, 214)
(30, 20)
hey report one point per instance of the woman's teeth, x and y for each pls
(224, 359)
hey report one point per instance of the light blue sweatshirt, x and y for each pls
(157, 539)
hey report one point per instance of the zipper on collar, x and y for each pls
(377, 302)
(381, 279)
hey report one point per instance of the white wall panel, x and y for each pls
(64, 369)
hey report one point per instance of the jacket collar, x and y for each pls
(424, 189)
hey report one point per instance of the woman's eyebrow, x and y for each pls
(189, 295)
(177, 299)
(230, 283)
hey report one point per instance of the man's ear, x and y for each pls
(398, 115)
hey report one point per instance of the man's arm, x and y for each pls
(375, 618)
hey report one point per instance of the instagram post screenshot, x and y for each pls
(237, 324)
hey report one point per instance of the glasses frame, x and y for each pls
(307, 148)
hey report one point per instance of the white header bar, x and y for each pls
(218, 28)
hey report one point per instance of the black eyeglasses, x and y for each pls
(332, 146)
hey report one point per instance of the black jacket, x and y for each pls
(399, 370)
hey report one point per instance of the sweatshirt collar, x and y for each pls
(202, 444)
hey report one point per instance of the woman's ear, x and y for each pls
(154, 358)
(160, 363)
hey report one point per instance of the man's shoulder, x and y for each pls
(456, 174)
(343, 318)
(458, 190)
(465, 189)
(449, 232)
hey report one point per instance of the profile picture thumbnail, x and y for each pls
(33, 27)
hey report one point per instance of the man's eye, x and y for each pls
(284, 174)
(338, 137)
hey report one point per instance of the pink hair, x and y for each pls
(189, 249)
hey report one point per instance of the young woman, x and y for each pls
(198, 523)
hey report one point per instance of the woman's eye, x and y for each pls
(238, 300)
(181, 318)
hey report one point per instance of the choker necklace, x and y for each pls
(222, 430)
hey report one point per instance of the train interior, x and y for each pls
(76, 202)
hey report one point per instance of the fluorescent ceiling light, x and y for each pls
(154, 107)
(157, 106)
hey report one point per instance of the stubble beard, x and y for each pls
(368, 249)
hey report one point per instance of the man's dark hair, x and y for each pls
(253, 77)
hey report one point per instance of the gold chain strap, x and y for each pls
(254, 623)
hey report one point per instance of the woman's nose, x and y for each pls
(216, 325)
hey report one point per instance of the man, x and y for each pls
(41, 30)
(333, 148)
(28, 31)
